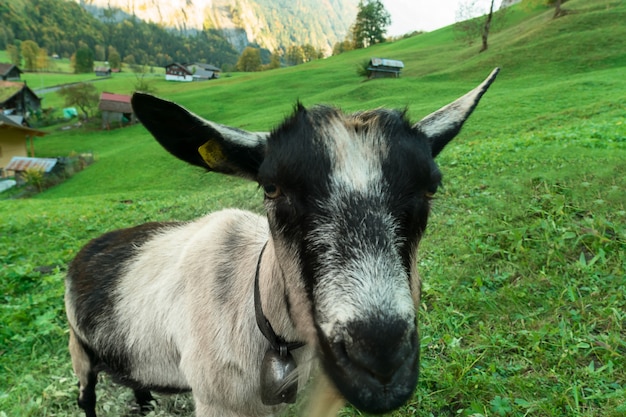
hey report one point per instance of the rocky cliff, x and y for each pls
(271, 24)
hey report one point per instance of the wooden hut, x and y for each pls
(15, 141)
(384, 68)
(102, 71)
(17, 99)
(9, 72)
(115, 108)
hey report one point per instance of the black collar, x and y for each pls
(278, 343)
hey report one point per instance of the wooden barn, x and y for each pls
(102, 71)
(384, 68)
(15, 141)
(20, 164)
(177, 72)
(115, 108)
(202, 72)
(16, 99)
(9, 72)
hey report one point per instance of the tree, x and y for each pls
(83, 60)
(310, 53)
(469, 28)
(42, 62)
(250, 60)
(558, 10)
(14, 55)
(274, 61)
(114, 58)
(82, 95)
(30, 50)
(371, 23)
(141, 83)
(294, 55)
(486, 28)
(99, 53)
(130, 60)
(6, 37)
(344, 46)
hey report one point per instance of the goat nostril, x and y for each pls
(381, 358)
(379, 351)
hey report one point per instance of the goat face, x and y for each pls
(347, 198)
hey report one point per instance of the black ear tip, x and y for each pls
(148, 106)
(492, 77)
(138, 100)
(143, 99)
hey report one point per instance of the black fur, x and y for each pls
(91, 281)
(181, 133)
(94, 273)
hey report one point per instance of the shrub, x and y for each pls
(34, 177)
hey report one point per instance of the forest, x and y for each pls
(60, 27)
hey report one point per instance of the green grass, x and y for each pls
(524, 261)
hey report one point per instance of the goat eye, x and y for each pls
(272, 191)
(430, 193)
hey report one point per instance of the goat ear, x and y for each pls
(444, 124)
(200, 142)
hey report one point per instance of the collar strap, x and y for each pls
(278, 343)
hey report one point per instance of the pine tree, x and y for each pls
(83, 60)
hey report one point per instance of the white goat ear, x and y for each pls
(200, 142)
(444, 124)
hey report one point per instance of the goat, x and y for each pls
(241, 308)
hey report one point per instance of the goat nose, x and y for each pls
(381, 348)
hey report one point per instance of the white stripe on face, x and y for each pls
(361, 271)
(356, 157)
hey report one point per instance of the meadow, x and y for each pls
(524, 259)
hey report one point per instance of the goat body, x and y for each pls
(166, 307)
(170, 307)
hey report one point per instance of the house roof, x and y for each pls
(22, 163)
(382, 62)
(202, 73)
(7, 123)
(6, 68)
(122, 98)
(207, 67)
(102, 69)
(9, 89)
(115, 102)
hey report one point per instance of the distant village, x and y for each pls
(18, 102)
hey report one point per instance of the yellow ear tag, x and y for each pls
(212, 153)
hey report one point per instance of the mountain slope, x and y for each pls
(271, 24)
(61, 27)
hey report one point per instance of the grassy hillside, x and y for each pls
(524, 262)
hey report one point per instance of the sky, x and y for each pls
(426, 15)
